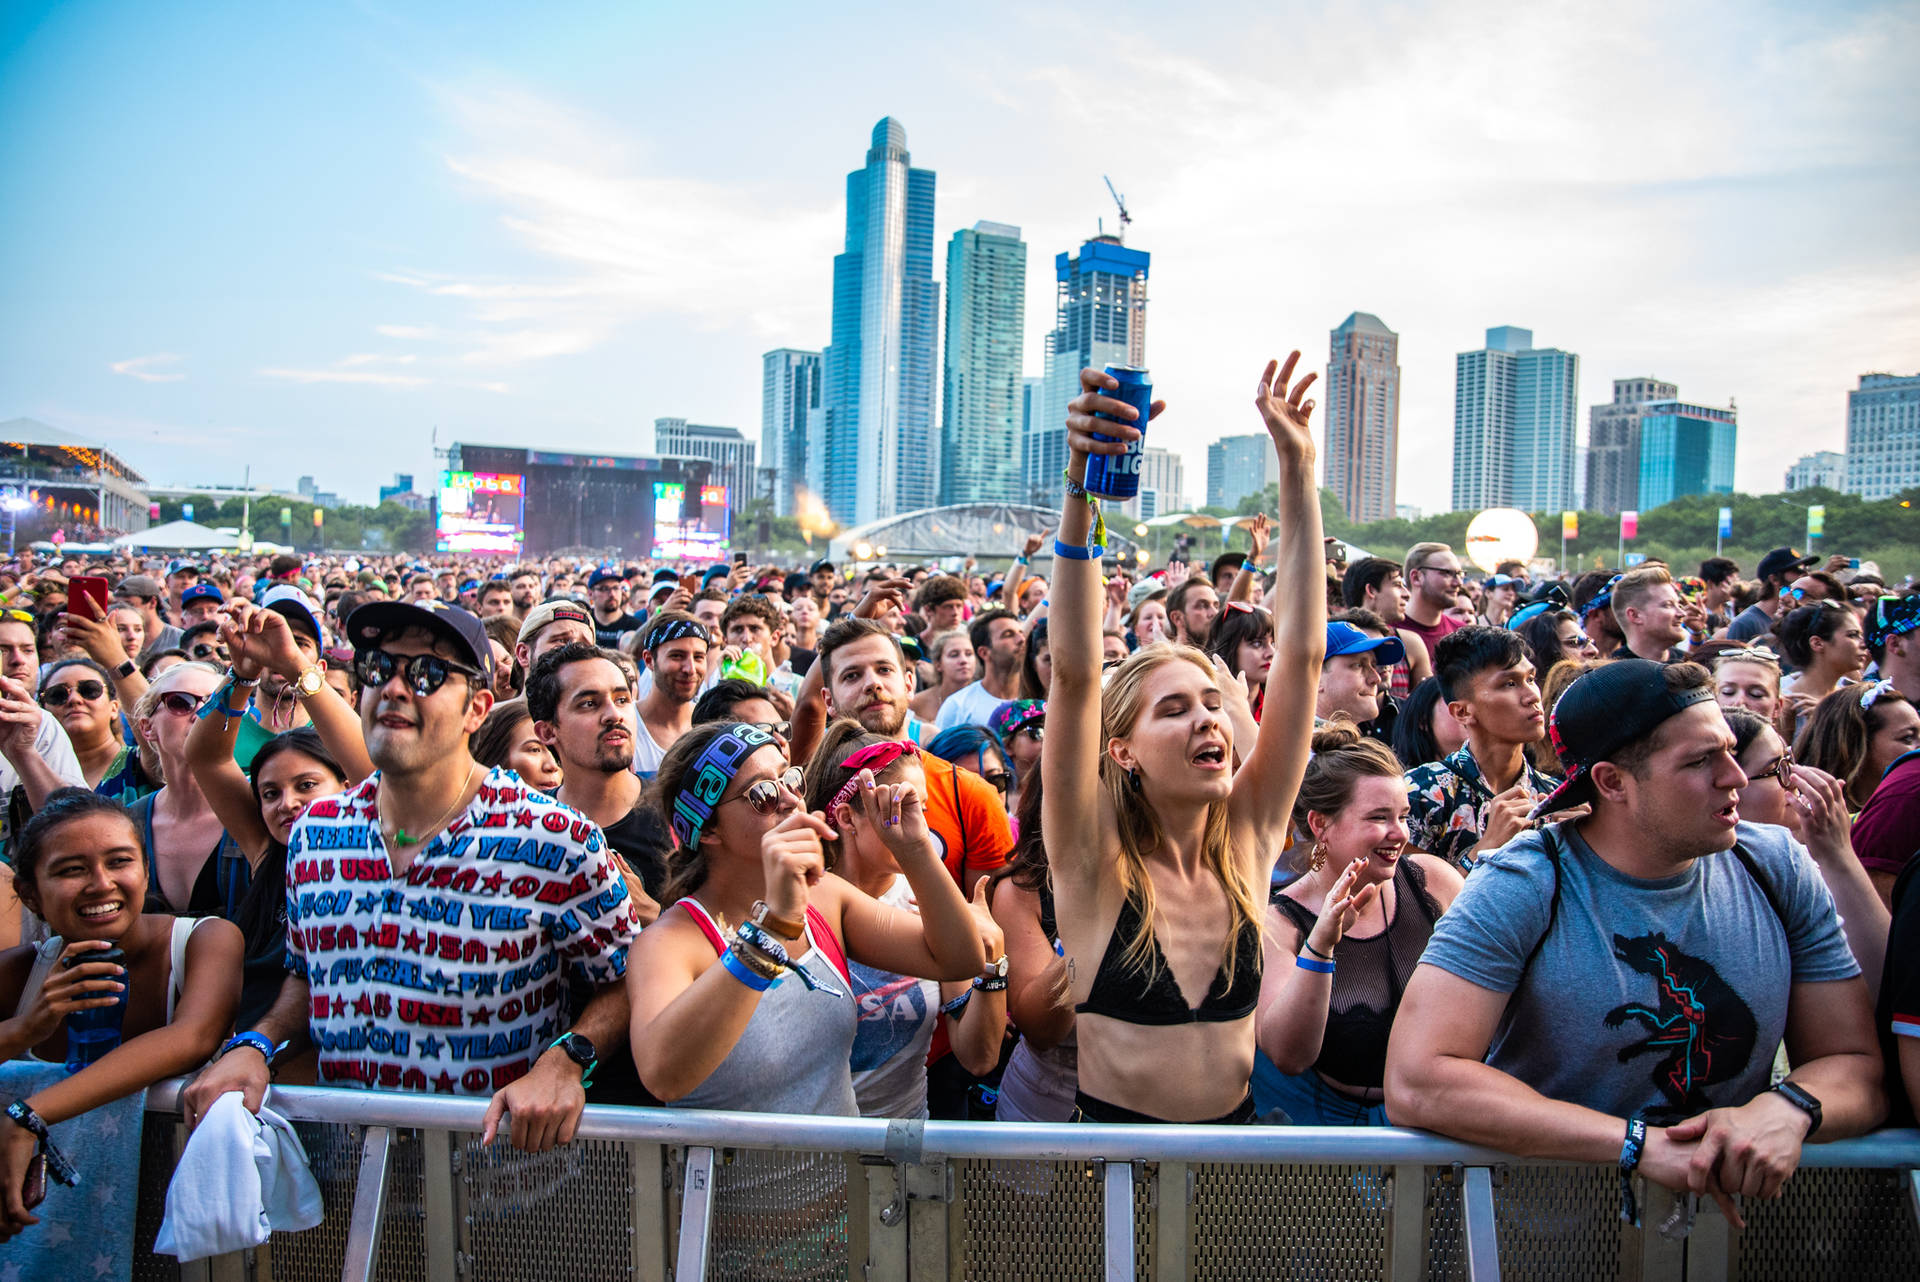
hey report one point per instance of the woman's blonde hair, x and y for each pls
(143, 710)
(1122, 701)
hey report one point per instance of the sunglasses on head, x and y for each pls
(181, 703)
(422, 673)
(18, 616)
(784, 729)
(57, 696)
(764, 796)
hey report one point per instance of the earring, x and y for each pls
(1133, 778)
(1318, 858)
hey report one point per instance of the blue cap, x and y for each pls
(471, 585)
(598, 577)
(201, 592)
(1344, 638)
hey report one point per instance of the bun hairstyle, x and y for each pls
(826, 776)
(1799, 629)
(1342, 757)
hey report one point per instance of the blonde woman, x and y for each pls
(951, 655)
(1160, 853)
(193, 867)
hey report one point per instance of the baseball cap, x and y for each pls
(471, 585)
(819, 566)
(666, 574)
(375, 621)
(1143, 589)
(138, 585)
(1344, 638)
(1602, 712)
(1781, 560)
(290, 601)
(1500, 581)
(604, 576)
(202, 592)
(1891, 616)
(549, 612)
(1015, 715)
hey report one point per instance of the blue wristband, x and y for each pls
(1317, 967)
(1629, 1160)
(1073, 553)
(953, 1008)
(259, 1041)
(744, 973)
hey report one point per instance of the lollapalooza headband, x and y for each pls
(875, 757)
(711, 774)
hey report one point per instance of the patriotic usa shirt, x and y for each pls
(453, 977)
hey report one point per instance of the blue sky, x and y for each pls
(306, 237)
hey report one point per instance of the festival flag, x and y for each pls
(1816, 522)
(1726, 522)
(1569, 525)
(1629, 524)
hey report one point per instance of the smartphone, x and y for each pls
(689, 583)
(91, 586)
(740, 558)
(34, 1191)
(1853, 563)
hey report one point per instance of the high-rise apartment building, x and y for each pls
(1363, 416)
(1514, 424)
(1238, 466)
(1823, 469)
(1100, 318)
(1883, 435)
(727, 448)
(1685, 449)
(789, 393)
(1613, 444)
(1163, 485)
(882, 454)
(983, 403)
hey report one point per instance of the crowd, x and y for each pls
(1610, 868)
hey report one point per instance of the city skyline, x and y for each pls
(491, 234)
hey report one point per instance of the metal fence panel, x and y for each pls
(779, 1215)
(1833, 1223)
(1558, 1222)
(1284, 1220)
(538, 1215)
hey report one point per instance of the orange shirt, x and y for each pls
(968, 820)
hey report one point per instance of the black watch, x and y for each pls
(125, 670)
(578, 1049)
(1806, 1103)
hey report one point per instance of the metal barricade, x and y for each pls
(655, 1194)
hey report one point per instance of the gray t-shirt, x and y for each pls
(1660, 998)
(1749, 623)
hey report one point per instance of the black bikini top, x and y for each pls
(1126, 994)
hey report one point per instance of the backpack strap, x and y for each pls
(1552, 844)
(1752, 866)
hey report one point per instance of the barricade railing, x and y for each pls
(654, 1194)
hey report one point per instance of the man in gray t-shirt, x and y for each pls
(1613, 988)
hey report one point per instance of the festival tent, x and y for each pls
(186, 536)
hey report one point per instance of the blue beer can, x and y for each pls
(1117, 476)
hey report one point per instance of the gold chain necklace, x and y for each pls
(400, 837)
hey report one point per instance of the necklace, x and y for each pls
(400, 836)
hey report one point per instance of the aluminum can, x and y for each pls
(1117, 476)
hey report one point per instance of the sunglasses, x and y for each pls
(209, 652)
(182, 704)
(1000, 780)
(764, 796)
(57, 696)
(1751, 654)
(784, 729)
(1037, 733)
(1781, 769)
(422, 673)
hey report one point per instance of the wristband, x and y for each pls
(744, 973)
(1092, 552)
(1327, 957)
(953, 1008)
(1629, 1160)
(57, 1164)
(259, 1041)
(998, 984)
(1317, 967)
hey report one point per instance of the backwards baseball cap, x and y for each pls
(375, 621)
(550, 612)
(1781, 560)
(202, 592)
(1344, 638)
(1891, 616)
(1616, 704)
(142, 585)
(297, 606)
(819, 566)
(1145, 588)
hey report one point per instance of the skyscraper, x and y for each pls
(727, 448)
(1514, 424)
(1363, 416)
(1685, 449)
(1883, 435)
(984, 401)
(882, 455)
(1163, 485)
(1100, 318)
(1238, 466)
(789, 391)
(1825, 469)
(1613, 444)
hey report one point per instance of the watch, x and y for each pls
(126, 669)
(1801, 1100)
(578, 1049)
(308, 683)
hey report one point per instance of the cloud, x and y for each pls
(374, 377)
(141, 367)
(405, 331)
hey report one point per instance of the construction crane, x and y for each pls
(1119, 200)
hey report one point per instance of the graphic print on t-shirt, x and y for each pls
(891, 1009)
(1701, 1030)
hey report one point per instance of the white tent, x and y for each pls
(178, 535)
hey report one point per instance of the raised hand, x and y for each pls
(1343, 908)
(19, 719)
(1032, 544)
(882, 595)
(896, 814)
(793, 861)
(1082, 423)
(1282, 408)
(1258, 532)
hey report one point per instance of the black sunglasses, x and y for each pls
(57, 696)
(182, 704)
(423, 673)
(1000, 780)
(209, 652)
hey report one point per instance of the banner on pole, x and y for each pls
(1816, 522)
(1726, 522)
(1569, 525)
(1629, 524)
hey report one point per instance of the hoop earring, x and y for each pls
(1318, 858)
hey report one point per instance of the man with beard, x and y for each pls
(584, 711)
(1192, 609)
(434, 847)
(999, 643)
(675, 653)
(1433, 575)
(610, 618)
(525, 587)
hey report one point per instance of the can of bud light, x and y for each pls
(1117, 476)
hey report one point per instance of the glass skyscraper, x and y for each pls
(1514, 424)
(789, 396)
(1363, 416)
(1100, 319)
(882, 454)
(984, 400)
(1883, 435)
(1685, 449)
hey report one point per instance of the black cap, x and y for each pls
(375, 621)
(1781, 560)
(819, 566)
(1602, 712)
(666, 575)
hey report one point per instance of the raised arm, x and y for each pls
(942, 941)
(210, 757)
(1242, 587)
(266, 639)
(1070, 768)
(1264, 789)
(809, 706)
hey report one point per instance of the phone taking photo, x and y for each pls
(91, 586)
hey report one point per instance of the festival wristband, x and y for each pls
(953, 1008)
(1629, 1161)
(259, 1041)
(998, 984)
(1093, 552)
(1317, 967)
(744, 973)
(57, 1164)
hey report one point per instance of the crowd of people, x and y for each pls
(1615, 867)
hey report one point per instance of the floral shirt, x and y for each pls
(1448, 801)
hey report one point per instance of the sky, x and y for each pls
(316, 239)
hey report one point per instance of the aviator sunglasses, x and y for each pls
(57, 696)
(764, 796)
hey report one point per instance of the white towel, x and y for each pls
(241, 1178)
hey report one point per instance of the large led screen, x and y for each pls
(481, 512)
(676, 537)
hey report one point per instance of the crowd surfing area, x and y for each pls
(1626, 860)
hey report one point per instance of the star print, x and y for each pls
(103, 1194)
(523, 818)
(10, 1272)
(444, 1083)
(413, 939)
(367, 903)
(505, 951)
(103, 1266)
(481, 1015)
(494, 881)
(600, 873)
(57, 1234)
(339, 1007)
(109, 1123)
(440, 979)
(430, 1046)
